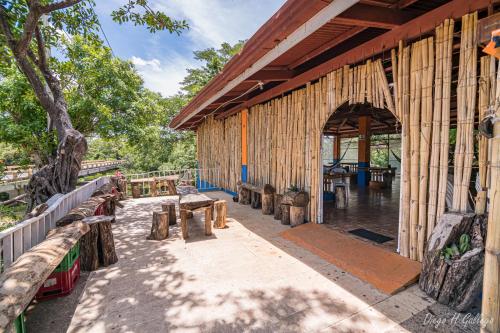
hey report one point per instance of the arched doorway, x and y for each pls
(361, 173)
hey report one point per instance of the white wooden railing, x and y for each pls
(203, 179)
(18, 239)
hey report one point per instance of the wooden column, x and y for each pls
(364, 150)
(336, 149)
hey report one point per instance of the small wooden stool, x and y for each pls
(159, 226)
(221, 209)
(169, 207)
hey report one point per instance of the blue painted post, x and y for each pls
(364, 151)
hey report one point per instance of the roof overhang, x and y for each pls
(305, 40)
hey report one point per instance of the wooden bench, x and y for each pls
(257, 196)
(21, 281)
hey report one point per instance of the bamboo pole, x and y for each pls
(425, 140)
(485, 102)
(461, 115)
(406, 154)
(491, 285)
(445, 117)
(436, 133)
(471, 89)
(415, 104)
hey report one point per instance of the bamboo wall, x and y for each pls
(284, 134)
(219, 151)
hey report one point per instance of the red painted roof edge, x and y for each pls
(287, 19)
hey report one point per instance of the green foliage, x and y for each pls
(153, 20)
(453, 251)
(106, 99)
(10, 215)
(105, 96)
(155, 146)
(23, 122)
(214, 60)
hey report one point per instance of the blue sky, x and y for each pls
(162, 58)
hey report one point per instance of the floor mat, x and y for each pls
(370, 235)
(387, 271)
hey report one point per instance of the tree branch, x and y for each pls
(58, 5)
(40, 43)
(32, 18)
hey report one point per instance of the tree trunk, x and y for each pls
(458, 281)
(61, 175)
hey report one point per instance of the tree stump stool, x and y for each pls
(268, 200)
(208, 221)
(169, 207)
(221, 209)
(297, 203)
(243, 194)
(256, 197)
(97, 247)
(285, 214)
(159, 226)
(340, 197)
(136, 191)
(277, 206)
(297, 215)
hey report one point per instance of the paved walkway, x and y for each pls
(243, 278)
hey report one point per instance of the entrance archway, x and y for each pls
(360, 174)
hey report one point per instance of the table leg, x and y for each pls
(208, 221)
(184, 225)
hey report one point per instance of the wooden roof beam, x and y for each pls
(271, 75)
(363, 15)
(427, 22)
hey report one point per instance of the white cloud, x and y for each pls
(164, 75)
(215, 21)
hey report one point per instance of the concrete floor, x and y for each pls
(243, 278)
(374, 210)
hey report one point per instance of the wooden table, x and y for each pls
(153, 183)
(192, 202)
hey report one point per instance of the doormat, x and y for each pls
(385, 270)
(370, 235)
